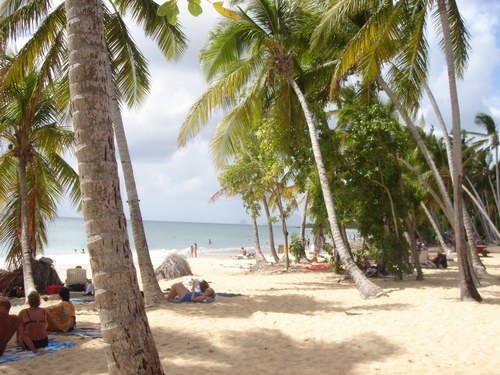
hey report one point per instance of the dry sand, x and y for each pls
(307, 322)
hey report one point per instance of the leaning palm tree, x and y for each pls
(486, 121)
(394, 31)
(130, 344)
(128, 79)
(259, 54)
(33, 174)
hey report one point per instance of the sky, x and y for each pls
(176, 184)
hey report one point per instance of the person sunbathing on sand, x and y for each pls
(180, 290)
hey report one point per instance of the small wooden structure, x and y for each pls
(44, 274)
(173, 266)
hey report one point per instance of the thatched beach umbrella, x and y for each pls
(11, 282)
(173, 266)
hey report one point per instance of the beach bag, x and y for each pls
(53, 289)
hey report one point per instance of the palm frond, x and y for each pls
(169, 38)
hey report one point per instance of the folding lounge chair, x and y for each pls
(76, 279)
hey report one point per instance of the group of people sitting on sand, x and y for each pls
(33, 323)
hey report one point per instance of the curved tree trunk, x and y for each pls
(271, 233)
(29, 282)
(410, 224)
(302, 254)
(130, 347)
(441, 241)
(468, 290)
(152, 291)
(259, 256)
(483, 211)
(366, 288)
(477, 266)
(448, 207)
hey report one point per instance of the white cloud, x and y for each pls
(176, 184)
(482, 77)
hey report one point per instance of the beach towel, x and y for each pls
(179, 300)
(80, 299)
(316, 267)
(222, 294)
(13, 354)
(91, 333)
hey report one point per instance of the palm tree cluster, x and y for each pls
(313, 72)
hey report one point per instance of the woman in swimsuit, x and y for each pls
(180, 290)
(33, 325)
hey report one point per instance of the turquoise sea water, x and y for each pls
(67, 234)
(67, 239)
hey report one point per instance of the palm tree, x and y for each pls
(126, 331)
(260, 52)
(486, 121)
(34, 175)
(128, 80)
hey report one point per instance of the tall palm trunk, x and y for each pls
(283, 226)
(271, 233)
(29, 282)
(476, 262)
(152, 291)
(303, 228)
(130, 347)
(468, 290)
(366, 288)
(260, 258)
(410, 221)
(496, 172)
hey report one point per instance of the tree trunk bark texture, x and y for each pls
(152, 291)
(28, 281)
(130, 347)
(468, 290)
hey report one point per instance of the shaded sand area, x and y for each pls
(307, 322)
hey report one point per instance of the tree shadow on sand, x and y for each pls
(254, 351)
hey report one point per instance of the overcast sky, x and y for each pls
(176, 184)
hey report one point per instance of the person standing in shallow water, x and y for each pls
(195, 250)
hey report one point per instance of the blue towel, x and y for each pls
(79, 299)
(13, 354)
(229, 294)
(86, 332)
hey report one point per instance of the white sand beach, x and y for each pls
(305, 322)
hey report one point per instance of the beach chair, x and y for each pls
(76, 279)
(481, 249)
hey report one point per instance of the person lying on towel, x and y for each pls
(180, 290)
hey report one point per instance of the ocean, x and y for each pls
(66, 237)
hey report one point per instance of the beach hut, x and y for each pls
(173, 266)
(44, 274)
